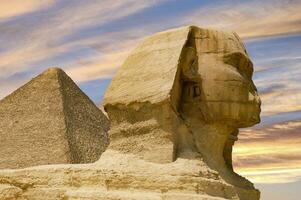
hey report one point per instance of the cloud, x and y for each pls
(277, 67)
(55, 32)
(256, 156)
(46, 39)
(273, 176)
(280, 101)
(103, 67)
(279, 130)
(13, 8)
(251, 18)
(57, 37)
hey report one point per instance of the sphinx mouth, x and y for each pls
(256, 119)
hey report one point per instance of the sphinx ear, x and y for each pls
(190, 91)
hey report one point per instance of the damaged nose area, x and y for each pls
(253, 94)
(254, 97)
(254, 104)
(251, 97)
(255, 100)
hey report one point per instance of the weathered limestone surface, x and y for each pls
(119, 176)
(175, 108)
(184, 93)
(50, 120)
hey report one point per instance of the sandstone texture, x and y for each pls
(50, 120)
(175, 108)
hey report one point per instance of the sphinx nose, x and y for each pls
(253, 94)
(254, 97)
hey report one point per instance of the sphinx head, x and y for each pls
(217, 79)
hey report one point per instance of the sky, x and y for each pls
(90, 39)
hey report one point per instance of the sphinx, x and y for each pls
(184, 93)
(175, 108)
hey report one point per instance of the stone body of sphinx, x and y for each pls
(184, 93)
(175, 107)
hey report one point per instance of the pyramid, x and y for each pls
(50, 120)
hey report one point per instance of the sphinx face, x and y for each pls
(228, 92)
(221, 85)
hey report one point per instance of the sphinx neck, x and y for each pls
(212, 141)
